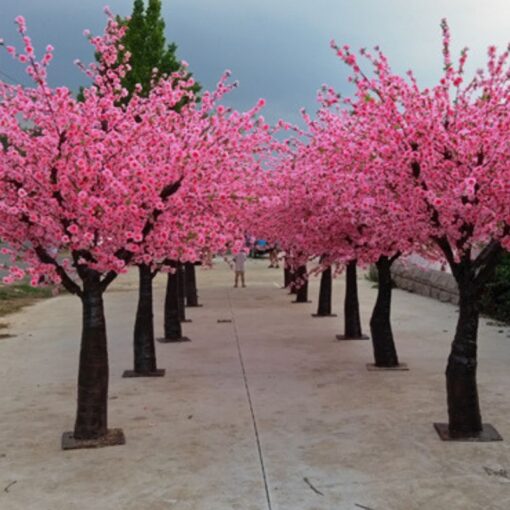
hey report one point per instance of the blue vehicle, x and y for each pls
(260, 248)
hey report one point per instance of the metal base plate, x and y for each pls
(173, 340)
(113, 437)
(159, 372)
(401, 367)
(318, 315)
(348, 338)
(488, 433)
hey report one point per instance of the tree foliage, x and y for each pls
(151, 57)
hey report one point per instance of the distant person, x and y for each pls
(207, 258)
(239, 261)
(273, 257)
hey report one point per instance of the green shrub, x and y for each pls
(496, 297)
(372, 275)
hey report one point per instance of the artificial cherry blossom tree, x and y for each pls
(84, 184)
(362, 214)
(341, 213)
(204, 217)
(447, 148)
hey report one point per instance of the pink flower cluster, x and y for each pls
(98, 184)
(399, 168)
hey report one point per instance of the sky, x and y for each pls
(276, 49)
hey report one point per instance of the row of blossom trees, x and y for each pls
(154, 178)
(396, 169)
(91, 186)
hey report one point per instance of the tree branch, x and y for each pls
(127, 255)
(67, 281)
(395, 257)
(109, 277)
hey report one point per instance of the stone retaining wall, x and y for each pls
(426, 282)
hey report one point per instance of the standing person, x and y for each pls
(239, 261)
(273, 257)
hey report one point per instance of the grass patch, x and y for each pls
(372, 275)
(16, 296)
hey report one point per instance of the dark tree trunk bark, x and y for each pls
(301, 283)
(385, 353)
(352, 322)
(172, 323)
(173, 329)
(463, 407)
(292, 285)
(287, 277)
(325, 291)
(145, 352)
(181, 280)
(191, 285)
(92, 414)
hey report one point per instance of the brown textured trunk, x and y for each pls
(463, 407)
(352, 322)
(144, 349)
(191, 285)
(385, 353)
(325, 291)
(301, 284)
(173, 330)
(181, 291)
(287, 277)
(291, 279)
(92, 414)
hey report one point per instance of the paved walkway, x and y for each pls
(267, 412)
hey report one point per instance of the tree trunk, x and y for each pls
(172, 323)
(352, 322)
(385, 353)
(287, 277)
(145, 353)
(463, 408)
(287, 274)
(301, 284)
(92, 414)
(290, 278)
(325, 290)
(191, 285)
(182, 292)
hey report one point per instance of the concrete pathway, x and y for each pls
(266, 412)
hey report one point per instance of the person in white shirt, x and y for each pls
(239, 261)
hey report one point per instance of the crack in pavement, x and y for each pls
(250, 403)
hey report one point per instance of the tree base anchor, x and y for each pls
(194, 306)
(113, 437)
(300, 302)
(487, 434)
(319, 315)
(159, 372)
(348, 338)
(401, 367)
(163, 340)
(186, 320)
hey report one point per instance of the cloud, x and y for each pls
(277, 49)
